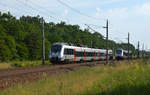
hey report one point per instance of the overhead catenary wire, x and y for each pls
(91, 28)
(41, 10)
(38, 10)
(101, 27)
(8, 9)
(96, 26)
(47, 10)
(40, 7)
(79, 12)
(17, 9)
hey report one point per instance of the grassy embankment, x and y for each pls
(128, 78)
(12, 64)
(5, 65)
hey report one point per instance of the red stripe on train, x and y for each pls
(99, 56)
(94, 55)
(84, 55)
(74, 55)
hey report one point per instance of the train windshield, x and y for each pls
(119, 51)
(56, 48)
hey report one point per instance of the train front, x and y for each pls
(55, 53)
(119, 54)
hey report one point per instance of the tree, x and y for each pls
(47, 49)
(33, 42)
(22, 51)
(5, 53)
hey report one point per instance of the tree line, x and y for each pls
(21, 39)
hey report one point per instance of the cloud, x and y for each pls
(64, 14)
(134, 19)
(144, 9)
(125, 12)
(118, 13)
(98, 12)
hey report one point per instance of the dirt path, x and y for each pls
(12, 77)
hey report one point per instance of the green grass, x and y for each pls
(5, 66)
(128, 78)
(12, 64)
(28, 63)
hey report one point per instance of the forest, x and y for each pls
(21, 39)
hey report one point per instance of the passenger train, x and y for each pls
(62, 52)
(123, 54)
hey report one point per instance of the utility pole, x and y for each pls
(143, 51)
(114, 48)
(138, 55)
(128, 45)
(43, 43)
(106, 41)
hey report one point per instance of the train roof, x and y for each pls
(126, 51)
(78, 47)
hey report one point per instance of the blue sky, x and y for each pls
(124, 15)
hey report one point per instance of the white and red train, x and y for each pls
(61, 52)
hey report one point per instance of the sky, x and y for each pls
(124, 16)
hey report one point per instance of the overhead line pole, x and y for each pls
(106, 41)
(128, 45)
(138, 55)
(43, 43)
(91, 37)
(143, 51)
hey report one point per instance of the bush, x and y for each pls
(17, 64)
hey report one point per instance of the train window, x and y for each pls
(65, 51)
(71, 51)
(80, 54)
(98, 54)
(126, 54)
(119, 51)
(93, 54)
(77, 54)
(101, 54)
(68, 51)
(56, 48)
(90, 54)
(87, 54)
